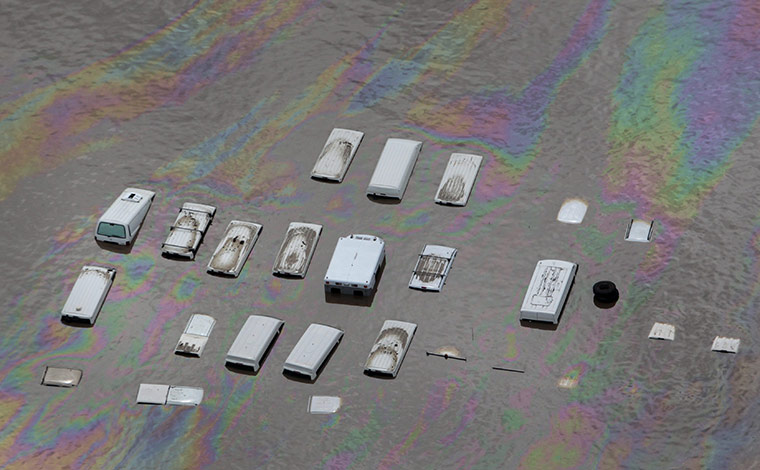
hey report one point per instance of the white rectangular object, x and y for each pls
(548, 290)
(458, 179)
(354, 265)
(639, 231)
(312, 349)
(297, 249)
(337, 154)
(572, 211)
(394, 168)
(121, 222)
(188, 229)
(432, 269)
(232, 252)
(390, 347)
(664, 331)
(157, 394)
(323, 405)
(152, 394)
(253, 340)
(723, 344)
(193, 340)
(184, 396)
(61, 377)
(88, 294)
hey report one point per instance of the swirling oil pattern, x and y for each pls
(643, 110)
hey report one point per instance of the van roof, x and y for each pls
(355, 258)
(126, 207)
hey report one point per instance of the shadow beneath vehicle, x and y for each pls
(358, 299)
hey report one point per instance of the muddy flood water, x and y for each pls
(643, 110)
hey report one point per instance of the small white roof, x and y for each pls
(158, 394)
(322, 405)
(184, 396)
(639, 231)
(723, 344)
(572, 211)
(61, 377)
(152, 394)
(355, 258)
(664, 331)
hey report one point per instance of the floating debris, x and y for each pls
(156, 394)
(447, 352)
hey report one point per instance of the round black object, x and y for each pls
(606, 291)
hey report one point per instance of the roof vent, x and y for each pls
(132, 197)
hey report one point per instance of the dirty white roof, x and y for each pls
(723, 344)
(664, 331)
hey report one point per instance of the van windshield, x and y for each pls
(111, 230)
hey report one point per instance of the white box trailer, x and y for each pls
(394, 168)
(188, 229)
(158, 394)
(88, 294)
(354, 265)
(312, 349)
(193, 340)
(297, 249)
(458, 179)
(548, 290)
(253, 340)
(337, 154)
(232, 252)
(432, 268)
(390, 347)
(121, 222)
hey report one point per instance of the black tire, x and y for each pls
(606, 291)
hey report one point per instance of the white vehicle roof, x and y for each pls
(723, 344)
(572, 211)
(194, 339)
(394, 168)
(664, 331)
(355, 259)
(548, 290)
(458, 179)
(127, 206)
(253, 340)
(432, 268)
(157, 394)
(337, 154)
(323, 405)
(312, 349)
(297, 249)
(390, 347)
(639, 231)
(89, 293)
(61, 377)
(233, 250)
(188, 229)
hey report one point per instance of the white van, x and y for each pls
(232, 252)
(458, 179)
(88, 294)
(337, 154)
(354, 264)
(394, 168)
(312, 349)
(188, 230)
(297, 249)
(253, 340)
(390, 348)
(123, 219)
